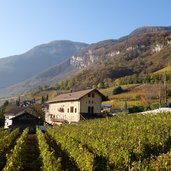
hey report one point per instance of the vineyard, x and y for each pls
(121, 143)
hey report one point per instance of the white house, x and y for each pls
(73, 106)
(8, 120)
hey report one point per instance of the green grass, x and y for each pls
(108, 91)
(164, 70)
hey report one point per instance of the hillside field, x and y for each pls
(133, 94)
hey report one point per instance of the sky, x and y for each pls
(28, 23)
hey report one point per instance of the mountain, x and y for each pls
(15, 69)
(150, 29)
(143, 51)
(50, 75)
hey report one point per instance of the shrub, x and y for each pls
(117, 90)
(155, 106)
(136, 109)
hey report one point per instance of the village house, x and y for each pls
(74, 106)
(22, 117)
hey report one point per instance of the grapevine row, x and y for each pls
(7, 141)
(14, 159)
(4, 133)
(82, 157)
(123, 141)
(50, 163)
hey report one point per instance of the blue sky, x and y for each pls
(27, 23)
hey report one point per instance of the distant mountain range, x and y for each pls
(145, 50)
(16, 69)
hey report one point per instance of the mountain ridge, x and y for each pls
(114, 58)
(22, 67)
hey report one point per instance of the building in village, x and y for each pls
(74, 106)
(22, 117)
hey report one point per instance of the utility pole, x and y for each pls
(165, 88)
(160, 94)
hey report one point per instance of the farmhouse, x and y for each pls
(74, 106)
(22, 117)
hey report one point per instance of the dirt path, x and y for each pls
(31, 160)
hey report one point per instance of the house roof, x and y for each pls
(23, 113)
(13, 109)
(73, 96)
(17, 111)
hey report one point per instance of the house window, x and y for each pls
(75, 110)
(68, 110)
(89, 95)
(72, 109)
(93, 95)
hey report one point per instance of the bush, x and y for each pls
(117, 90)
(136, 109)
(164, 105)
(155, 106)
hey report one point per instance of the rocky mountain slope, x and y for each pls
(145, 50)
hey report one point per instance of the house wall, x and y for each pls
(8, 120)
(62, 110)
(91, 101)
(26, 120)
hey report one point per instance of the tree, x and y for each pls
(100, 85)
(47, 97)
(150, 92)
(2, 111)
(18, 101)
(117, 90)
(6, 103)
(42, 100)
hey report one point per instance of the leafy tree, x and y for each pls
(100, 85)
(17, 103)
(47, 97)
(2, 111)
(6, 103)
(43, 100)
(136, 109)
(117, 90)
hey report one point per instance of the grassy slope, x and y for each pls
(164, 70)
(132, 95)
